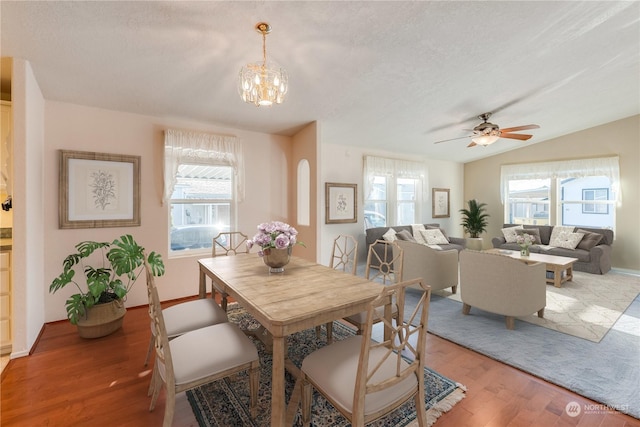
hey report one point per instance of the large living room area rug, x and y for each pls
(586, 307)
(224, 402)
(607, 371)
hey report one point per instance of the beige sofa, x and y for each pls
(438, 269)
(502, 285)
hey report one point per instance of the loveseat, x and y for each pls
(591, 259)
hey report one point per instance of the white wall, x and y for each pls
(28, 209)
(74, 127)
(344, 164)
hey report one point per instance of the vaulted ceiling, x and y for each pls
(395, 75)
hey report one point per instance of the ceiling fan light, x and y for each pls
(485, 139)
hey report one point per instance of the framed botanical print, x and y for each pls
(341, 203)
(440, 203)
(98, 190)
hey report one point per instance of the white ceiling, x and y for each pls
(386, 75)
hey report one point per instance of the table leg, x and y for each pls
(570, 273)
(278, 409)
(557, 277)
(202, 288)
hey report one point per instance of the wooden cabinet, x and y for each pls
(5, 302)
(6, 147)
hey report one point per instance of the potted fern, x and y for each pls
(474, 223)
(97, 309)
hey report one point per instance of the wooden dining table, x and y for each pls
(305, 295)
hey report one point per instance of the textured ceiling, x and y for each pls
(386, 75)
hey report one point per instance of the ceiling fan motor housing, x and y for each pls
(486, 128)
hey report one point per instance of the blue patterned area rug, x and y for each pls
(225, 402)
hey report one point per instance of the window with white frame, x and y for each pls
(393, 191)
(574, 192)
(203, 178)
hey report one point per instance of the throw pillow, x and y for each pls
(533, 232)
(566, 240)
(444, 233)
(434, 237)
(557, 230)
(390, 235)
(510, 234)
(589, 240)
(405, 235)
(416, 231)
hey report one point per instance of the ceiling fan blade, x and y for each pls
(522, 137)
(525, 127)
(453, 139)
(473, 144)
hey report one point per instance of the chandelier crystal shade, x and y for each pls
(263, 83)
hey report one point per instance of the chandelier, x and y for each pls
(263, 83)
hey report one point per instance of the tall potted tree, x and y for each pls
(474, 222)
(98, 308)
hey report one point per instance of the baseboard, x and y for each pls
(626, 271)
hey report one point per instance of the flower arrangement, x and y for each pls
(525, 240)
(274, 234)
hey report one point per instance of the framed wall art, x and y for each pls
(341, 203)
(98, 190)
(440, 203)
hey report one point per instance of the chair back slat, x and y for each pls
(384, 263)
(229, 243)
(404, 348)
(344, 255)
(161, 340)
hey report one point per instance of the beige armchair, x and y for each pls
(438, 269)
(502, 285)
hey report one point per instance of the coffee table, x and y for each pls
(556, 264)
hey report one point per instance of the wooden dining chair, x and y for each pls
(227, 243)
(344, 256)
(365, 379)
(198, 357)
(384, 265)
(188, 316)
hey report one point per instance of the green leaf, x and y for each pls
(62, 280)
(87, 248)
(126, 256)
(156, 264)
(75, 308)
(70, 261)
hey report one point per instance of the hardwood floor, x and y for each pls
(70, 381)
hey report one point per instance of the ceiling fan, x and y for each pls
(487, 133)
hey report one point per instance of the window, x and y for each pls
(203, 183)
(201, 206)
(393, 191)
(574, 192)
(598, 194)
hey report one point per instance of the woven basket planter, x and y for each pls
(102, 319)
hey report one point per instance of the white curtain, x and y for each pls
(381, 166)
(602, 166)
(185, 147)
